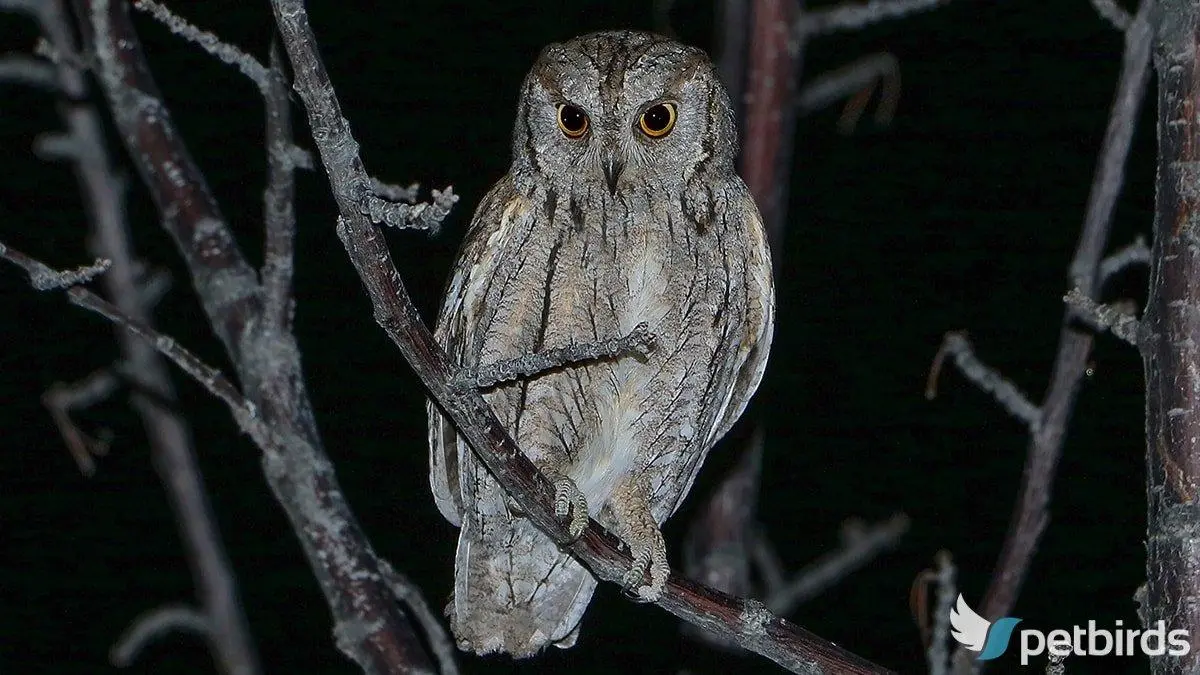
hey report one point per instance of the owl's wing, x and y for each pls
(758, 328)
(749, 360)
(456, 323)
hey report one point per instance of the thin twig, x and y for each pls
(855, 15)
(224, 52)
(208, 377)
(956, 345)
(1113, 13)
(1121, 323)
(745, 621)
(856, 80)
(937, 652)
(61, 399)
(152, 626)
(1136, 253)
(279, 208)
(638, 343)
(858, 547)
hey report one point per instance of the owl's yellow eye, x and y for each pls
(572, 120)
(658, 120)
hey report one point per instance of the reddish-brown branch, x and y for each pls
(774, 65)
(1168, 344)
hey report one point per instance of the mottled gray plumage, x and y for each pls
(589, 234)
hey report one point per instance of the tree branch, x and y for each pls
(1169, 348)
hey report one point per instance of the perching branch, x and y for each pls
(748, 622)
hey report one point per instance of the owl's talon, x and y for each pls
(569, 501)
(649, 555)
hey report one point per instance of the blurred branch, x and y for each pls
(152, 626)
(859, 545)
(1113, 13)
(857, 81)
(855, 15)
(167, 433)
(956, 345)
(61, 399)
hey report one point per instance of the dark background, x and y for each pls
(962, 214)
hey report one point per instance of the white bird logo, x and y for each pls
(967, 627)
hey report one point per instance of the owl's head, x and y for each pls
(619, 109)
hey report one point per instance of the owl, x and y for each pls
(621, 207)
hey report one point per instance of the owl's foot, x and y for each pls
(635, 525)
(569, 500)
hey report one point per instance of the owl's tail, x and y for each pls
(514, 591)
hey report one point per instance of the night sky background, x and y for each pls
(962, 214)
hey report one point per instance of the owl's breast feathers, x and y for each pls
(544, 270)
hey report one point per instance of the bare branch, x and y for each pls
(638, 343)
(1113, 13)
(1123, 324)
(26, 71)
(60, 399)
(46, 278)
(856, 80)
(408, 593)
(745, 621)
(153, 625)
(937, 652)
(1136, 253)
(854, 15)
(166, 431)
(279, 207)
(859, 545)
(956, 345)
(226, 53)
(396, 193)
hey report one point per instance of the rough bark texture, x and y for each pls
(1168, 342)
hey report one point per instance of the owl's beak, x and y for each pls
(612, 172)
